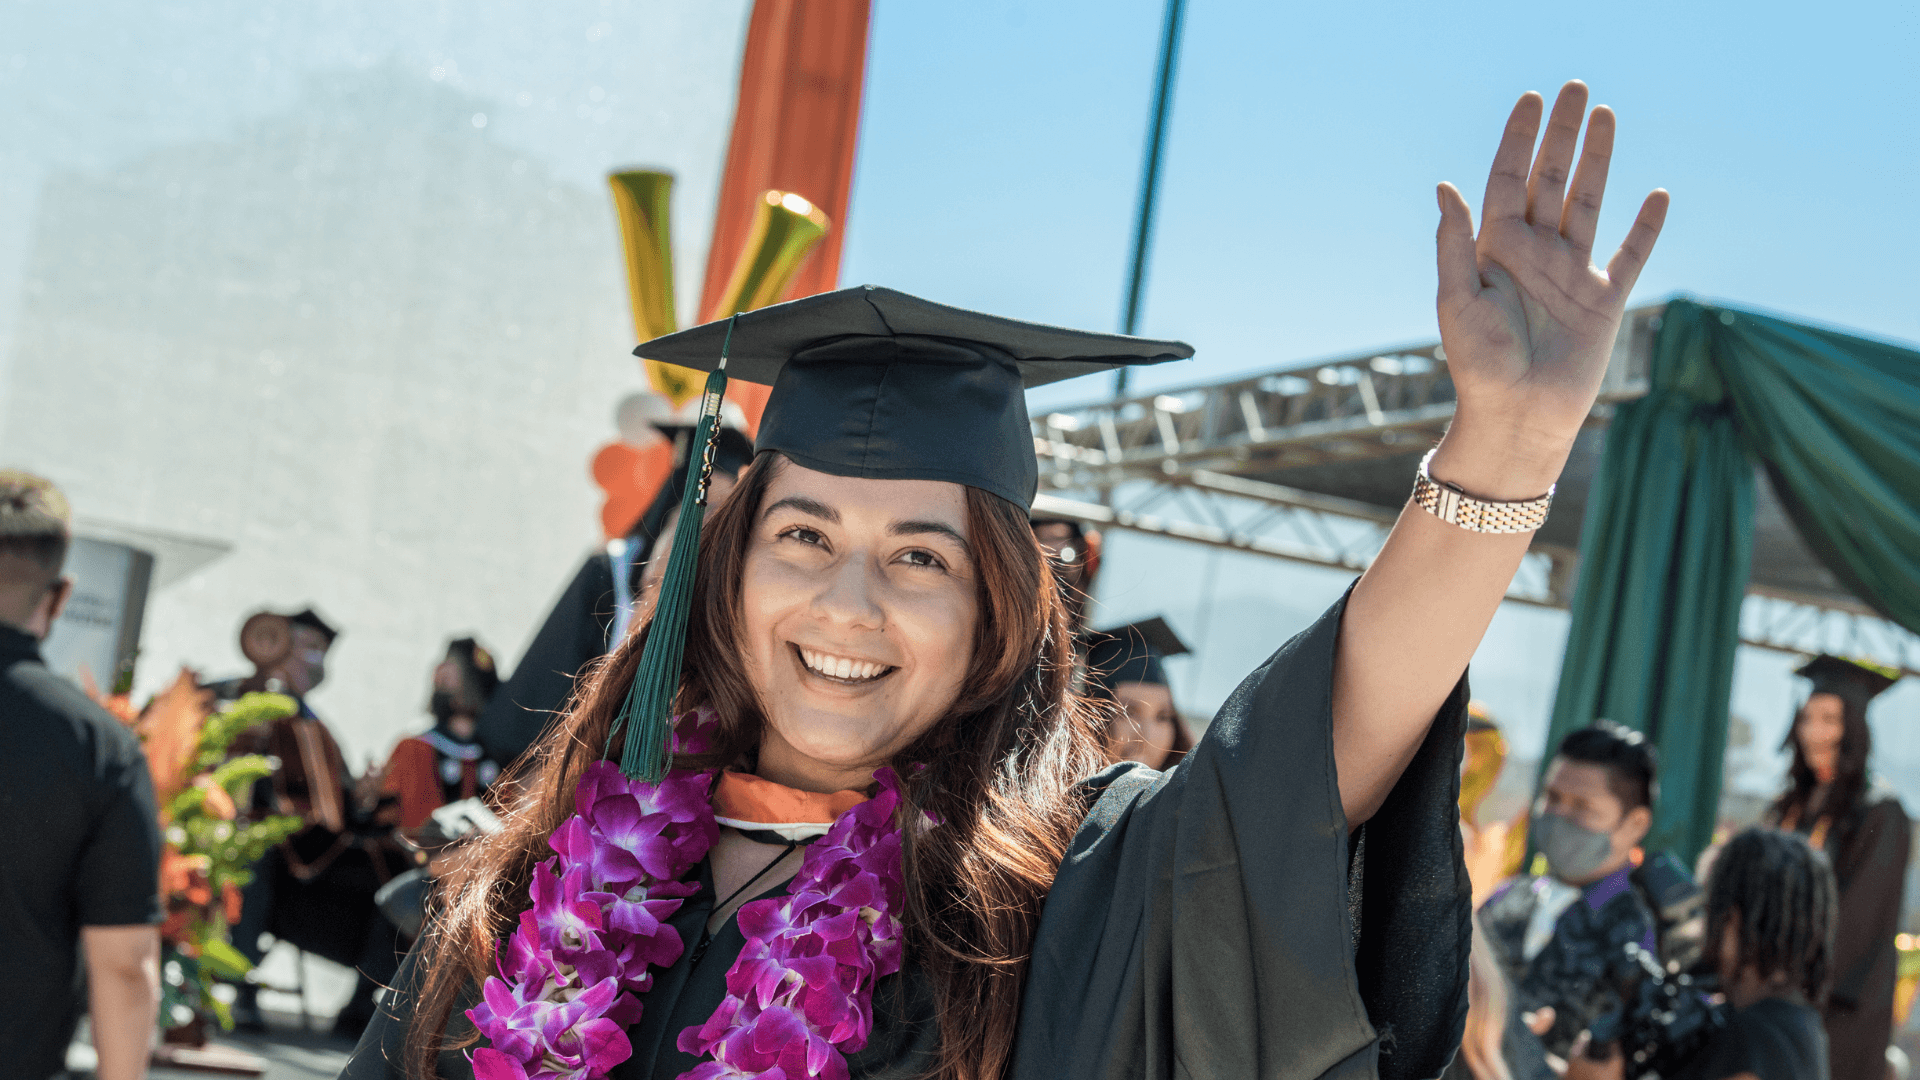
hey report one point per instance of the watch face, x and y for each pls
(266, 639)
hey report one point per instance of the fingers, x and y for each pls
(1539, 1021)
(1624, 268)
(1507, 182)
(1547, 184)
(1459, 265)
(1582, 214)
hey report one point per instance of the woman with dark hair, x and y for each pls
(1835, 802)
(1123, 665)
(878, 841)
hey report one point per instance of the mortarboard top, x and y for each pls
(875, 383)
(1855, 680)
(311, 619)
(1132, 653)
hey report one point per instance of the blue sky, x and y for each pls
(999, 162)
(998, 166)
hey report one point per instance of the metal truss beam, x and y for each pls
(1359, 406)
(1238, 514)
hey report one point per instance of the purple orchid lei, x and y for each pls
(800, 996)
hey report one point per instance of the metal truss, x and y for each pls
(1364, 405)
(1339, 534)
(1785, 623)
(1238, 514)
(1175, 465)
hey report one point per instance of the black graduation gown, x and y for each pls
(1207, 922)
(1870, 863)
(573, 636)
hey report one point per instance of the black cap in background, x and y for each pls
(1859, 681)
(1132, 653)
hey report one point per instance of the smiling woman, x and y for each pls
(878, 668)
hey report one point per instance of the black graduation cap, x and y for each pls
(875, 383)
(867, 382)
(1132, 653)
(311, 620)
(1855, 680)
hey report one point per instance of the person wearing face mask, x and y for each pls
(1594, 808)
(315, 889)
(1771, 905)
(446, 764)
(1124, 665)
(1834, 801)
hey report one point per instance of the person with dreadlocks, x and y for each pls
(1834, 801)
(1771, 906)
(836, 809)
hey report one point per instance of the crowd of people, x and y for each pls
(825, 769)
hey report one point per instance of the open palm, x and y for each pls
(1527, 319)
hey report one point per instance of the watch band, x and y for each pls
(1455, 507)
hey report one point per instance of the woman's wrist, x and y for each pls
(1499, 464)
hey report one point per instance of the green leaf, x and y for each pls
(184, 804)
(223, 959)
(238, 775)
(221, 729)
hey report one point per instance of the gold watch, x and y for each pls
(1455, 507)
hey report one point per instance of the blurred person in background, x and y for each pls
(441, 767)
(445, 763)
(596, 609)
(1124, 666)
(1593, 811)
(1771, 903)
(1074, 551)
(1842, 809)
(1493, 849)
(82, 863)
(315, 889)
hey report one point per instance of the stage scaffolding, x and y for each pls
(1312, 463)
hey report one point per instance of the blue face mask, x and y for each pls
(1572, 850)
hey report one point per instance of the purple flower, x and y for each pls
(800, 995)
(565, 922)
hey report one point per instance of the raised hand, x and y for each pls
(1528, 321)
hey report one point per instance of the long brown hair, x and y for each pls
(1845, 799)
(997, 771)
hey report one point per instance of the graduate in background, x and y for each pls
(446, 764)
(1074, 551)
(1124, 665)
(1842, 809)
(592, 615)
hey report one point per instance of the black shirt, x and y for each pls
(82, 848)
(1773, 1038)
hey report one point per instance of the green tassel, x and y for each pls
(647, 714)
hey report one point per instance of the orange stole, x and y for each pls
(750, 800)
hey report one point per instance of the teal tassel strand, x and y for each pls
(647, 714)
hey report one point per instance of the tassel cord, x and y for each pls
(646, 714)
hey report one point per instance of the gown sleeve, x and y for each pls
(380, 1054)
(574, 634)
(1215, 920)
(1871, 866)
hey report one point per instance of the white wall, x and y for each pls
(338, 286)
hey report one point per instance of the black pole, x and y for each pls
(1150, 179)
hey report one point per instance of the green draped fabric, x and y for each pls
(1668, 537)
(1836, 420)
